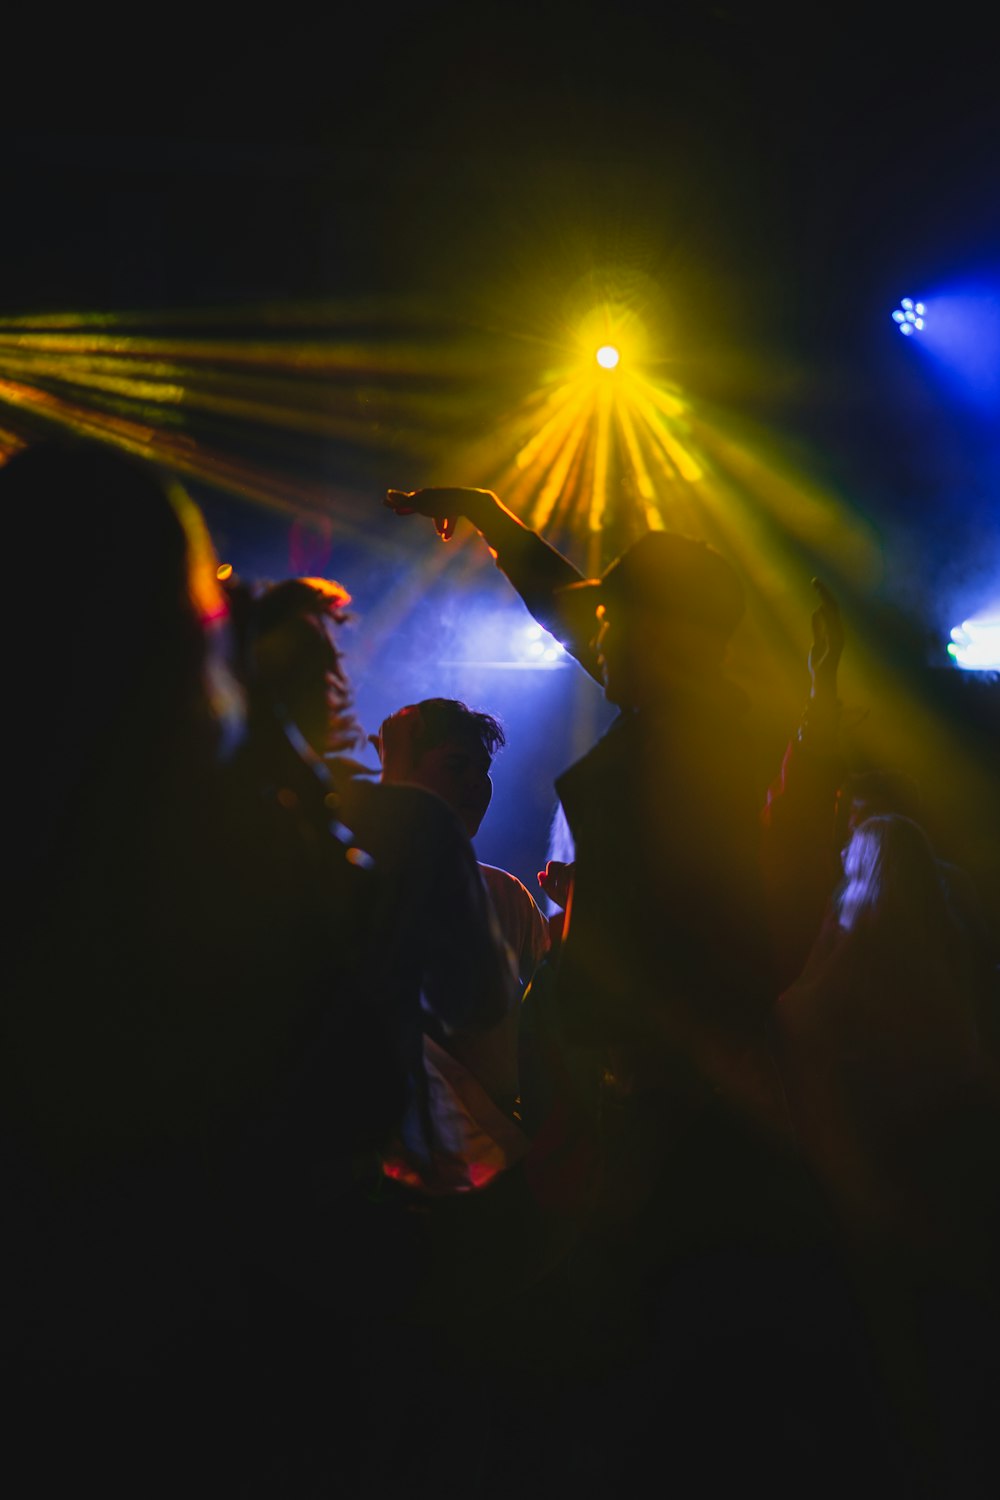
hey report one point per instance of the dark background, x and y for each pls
(784, 174)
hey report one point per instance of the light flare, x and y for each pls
(975, 645)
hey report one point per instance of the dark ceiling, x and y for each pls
(792, 138)
(784, 173)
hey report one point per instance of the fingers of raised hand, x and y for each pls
(828, 604)
(555, 880)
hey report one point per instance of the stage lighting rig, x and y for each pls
(909, 316)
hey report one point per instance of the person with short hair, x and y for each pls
(447, 748)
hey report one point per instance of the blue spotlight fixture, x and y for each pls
(909, 316)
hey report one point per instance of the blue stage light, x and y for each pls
(961, 336)
(537, 645)
(489, 641)
(909, 315)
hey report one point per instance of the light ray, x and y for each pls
(562, 462)
(602, 457)
(263, 403)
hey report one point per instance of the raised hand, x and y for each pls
(827, 643)
(556, 880)
(443, 504)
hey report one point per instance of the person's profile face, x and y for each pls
(613, 658)
(458, 771)
(641, 653)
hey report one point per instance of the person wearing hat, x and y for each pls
(698, 1266)
(665, 962)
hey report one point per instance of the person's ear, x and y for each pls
(397, 743)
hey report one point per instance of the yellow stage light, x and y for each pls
(612, 331)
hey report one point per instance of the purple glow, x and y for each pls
(962, 334)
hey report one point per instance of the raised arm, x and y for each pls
(536, 569)
(797, 849)
(824, 660)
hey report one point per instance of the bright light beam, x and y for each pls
(975, 645)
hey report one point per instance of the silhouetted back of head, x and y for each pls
(444, 719)
(296, 663)
(111, 578)
(112, 596)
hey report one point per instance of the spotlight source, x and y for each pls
(975, 645)
(607, 356)
(537, 646)
(909, 316)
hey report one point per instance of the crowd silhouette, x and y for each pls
(331, 1165)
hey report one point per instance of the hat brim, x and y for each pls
(587, 588)
(577, 603)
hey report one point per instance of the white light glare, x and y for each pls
(975, 645)
(539, 646)
(607, 356)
